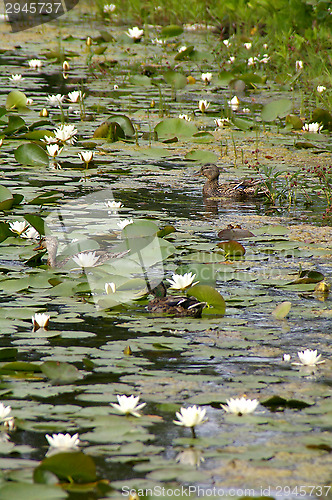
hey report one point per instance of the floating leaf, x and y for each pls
(322, 116)
(165, 231)
(60, 372)
(75, 466)
(140, 80)
(111, 131)
(276, 109)
(124, 122)
(171, 127)
(28, 491)
(6, 198)
(281, 311)
(203, 137)
(232, 248)
(16, 99)
(307, 277)
(177, 80)
(184, 53)
(234, 232)
(31, 154)
(295, 121)
(47, 198)
(276, 402)
(202, 155)
(15, 123)
(37, 222)
(243, 124)
(171, 31)
(205, 293)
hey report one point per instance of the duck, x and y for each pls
(237, 190)
(172, 305)
(50, 243)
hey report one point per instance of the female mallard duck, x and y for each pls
(172, 305)
(238, 190)
(50, 243)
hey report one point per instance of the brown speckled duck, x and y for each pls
(174, 305)
(236, 190)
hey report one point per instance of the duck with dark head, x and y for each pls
(237, 190)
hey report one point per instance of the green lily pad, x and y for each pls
(31, 154)
(171, 31)
(16, 99)
(276, 109)
(60, 372)
(6, 199)
(205, 293)
(232, 248)
(74, 466)
(175, 127)
(281, 311)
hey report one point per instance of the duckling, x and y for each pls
(50, 243)
(238, 190)
(172, 305)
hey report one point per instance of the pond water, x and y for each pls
(97, 346)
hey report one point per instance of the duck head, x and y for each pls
(210, 171)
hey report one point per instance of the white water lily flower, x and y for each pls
(247, 45)
(246, 110)
(49, 139)
(221, 122)
(240, 406)
(184, 117)
(40, 320)
(182, 49)
(190, 417)
(158, 41)
(63, 441)
(203, 105)
(182, 281)
(230, 60)
(18, 227)
(53, 150)
(35, 63)
(286, 357)
(55, 100)
(31, 233)
(206, 77)
(320, 88)
(86, 259)
(135, 33)
(226, 42)
(109, 8)
(4, 412)
(234, 103)
(128, 405)
(29, 101)
(113, 204)
(16, 78)
(298, 65)
(86, 156)
(251, 61)
(1, 142)
(75, 96)
(123, 223)
(110, 288)
(312, 127)
(66, 133)
(115, 87)
(308, 357)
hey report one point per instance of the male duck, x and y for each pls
(172, 305)
(237, 190)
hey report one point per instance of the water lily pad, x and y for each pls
(6, 201)
(74, 466)
(175, 127)
(171, 31)
(276, 109)
(16, 99)
(282, 310)
(232, 248)
(60, 372)
(12, 491)
(31, 154)
(205, 293)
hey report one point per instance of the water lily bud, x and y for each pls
(88, 41)
(65, 66)
(191, 80)
(43, 113)
(152, 104)
(127, 351)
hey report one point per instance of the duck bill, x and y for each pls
(39, 247)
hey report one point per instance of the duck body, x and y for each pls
(172, 305)
(236, 190)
